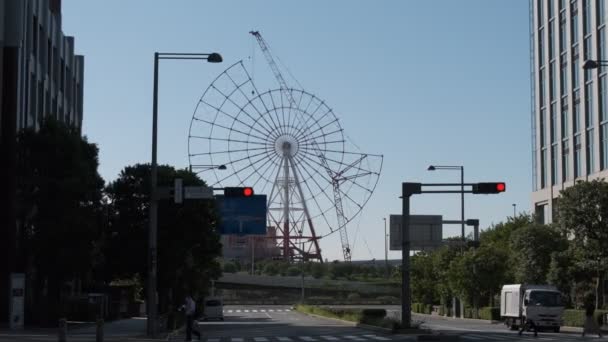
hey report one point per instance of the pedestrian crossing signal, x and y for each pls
(238, 192)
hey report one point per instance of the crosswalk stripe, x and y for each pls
(330, 338)
(263, 310)
(246, 310)
(238, 310)
(213, 340)
(354, 338)
(260, 339)
(284, 339)
(307, 338)
(271, 310)
(237, 339)
(255, 310)
(378, 338)
(287, 309)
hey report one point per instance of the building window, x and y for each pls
(562, 36)
(588, 56)
(543, 142)
(590, 150)
(576, 117)
(589, 105)
(541, 47)
(543, 168)
(577, 156)
(564, 77)
(553, 122)
(554, 164)
(601, 12)
(541, 87)
(541, 12)
(551, 40)
(587, 16)
(553, 80)
(550, 9)
(604, 146)
(565, 161)
(565, 126)
(603, 99)
(574, 24)
(601, 43)
(575, 73)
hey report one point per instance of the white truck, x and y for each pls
(541, 304)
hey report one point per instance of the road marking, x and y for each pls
(271, 310)
(330, 338)
(267, 315)
(213, 340)
(354, 338)
(246, 310)
(284, 339)
(263, 310)
(254, 310)
(447, 327)
(238, 310)
(307, 338)
(260, 339)
(287, 309)
(237, 339)
(379, 338)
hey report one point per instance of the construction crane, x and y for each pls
(335, 177)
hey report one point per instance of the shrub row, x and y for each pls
(422, 308)
(489, 313)
(576, 318)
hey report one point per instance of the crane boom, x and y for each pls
(333, 176)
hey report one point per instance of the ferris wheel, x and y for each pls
(288, 144)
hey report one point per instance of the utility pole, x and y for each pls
(385, 249)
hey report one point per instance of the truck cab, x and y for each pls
(541, 304)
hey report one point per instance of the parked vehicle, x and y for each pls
(213, 308)
(541, 304)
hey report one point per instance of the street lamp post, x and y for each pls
(207, 167)
(514, 210)
(461, 168)
(385, 249)
(152, 327)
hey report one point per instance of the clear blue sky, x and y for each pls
(421, 82)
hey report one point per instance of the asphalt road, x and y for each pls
(279, 323)
(485, 331)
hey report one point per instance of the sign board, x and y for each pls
(17, 301)
(198, 192)
(242, 215)
(426, 232)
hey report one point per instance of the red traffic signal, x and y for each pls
(238, 191)
(489, 188)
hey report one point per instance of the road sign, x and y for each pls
(242, 215)
(426, 232)
(198, 192)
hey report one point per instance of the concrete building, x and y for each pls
(39, 76)
(569, 104)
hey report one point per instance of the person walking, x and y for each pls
(527, 325)
(591, 325)
(189, 308)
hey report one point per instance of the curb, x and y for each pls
(474, 320)
(375, 328)
(351, 323)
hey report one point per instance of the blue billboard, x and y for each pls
(242, 215)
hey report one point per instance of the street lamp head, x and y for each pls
(431, 168)
(221, 167)
(591, 64)
(214, 58)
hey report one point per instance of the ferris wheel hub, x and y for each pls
(286, 146)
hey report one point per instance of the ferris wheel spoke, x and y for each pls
(314, 198)
(230, 129)
(318, 128)
(274, 105)
(293, 112)
(237, 172)
(227, 151)
(234, 118)
(272, 168)
(230, 140)
(311, 127)
(324, 135)
(265, 162)
(304, 126)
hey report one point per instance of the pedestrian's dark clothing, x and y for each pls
(591, 325)
(190, 310)
(528, 324)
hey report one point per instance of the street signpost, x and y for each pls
(426, 232)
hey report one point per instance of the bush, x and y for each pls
(230, 267)
(388, 300)
(428, 309)
(418, 307)
(489, 313)
(374, 313)
(293, 271)
(353, 296)
(576, 318)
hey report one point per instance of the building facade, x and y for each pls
(570, 104)
(40, 76)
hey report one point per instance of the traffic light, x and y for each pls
(238, 192)
(489, 188)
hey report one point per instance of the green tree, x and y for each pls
(442, 258)
(229, 267)
(531, 249)
(60, 207)
(318, 270)
(582, 210)
(188, 243)
(424, 279)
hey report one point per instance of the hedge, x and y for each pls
(489, 313)
(576, 318)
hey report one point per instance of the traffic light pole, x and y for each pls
(407, 190)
